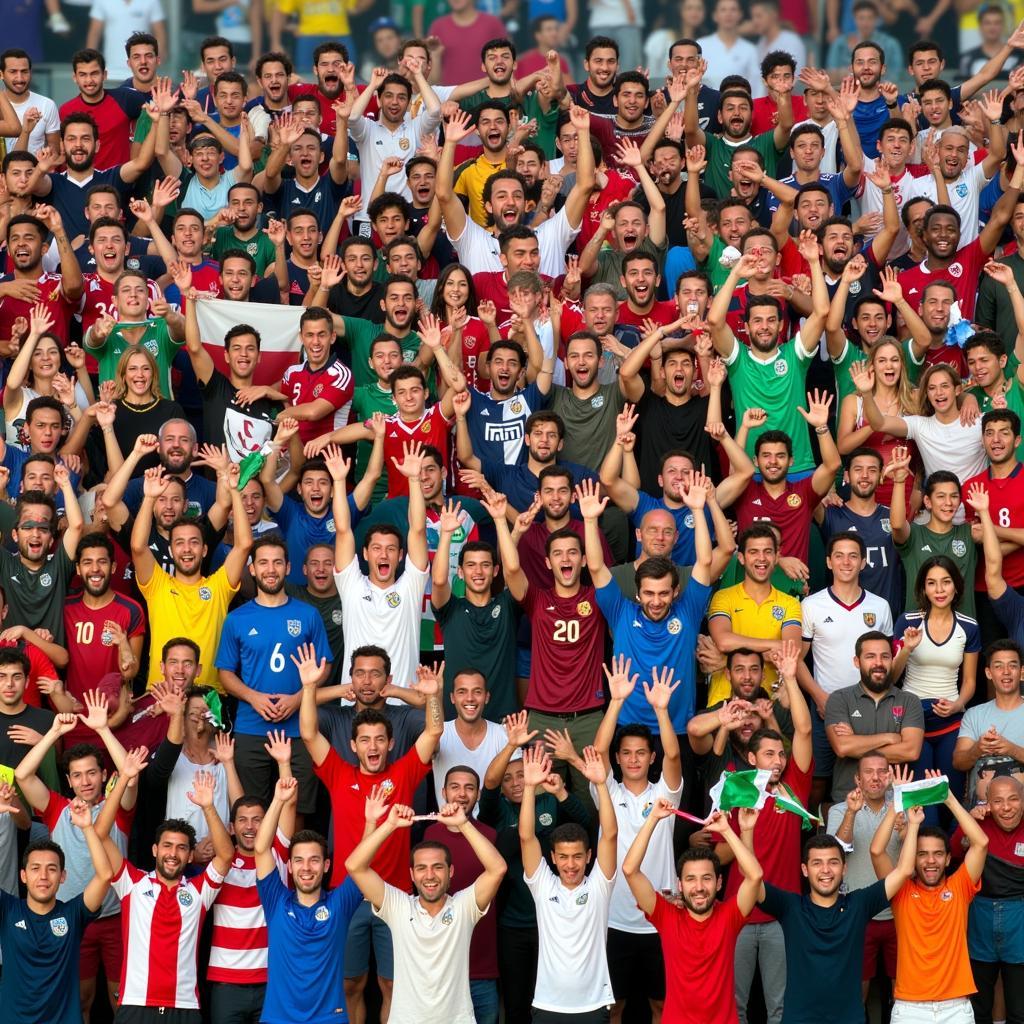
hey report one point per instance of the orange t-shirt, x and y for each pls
(931, 939)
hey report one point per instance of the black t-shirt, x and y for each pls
(367, 307)
(131, 421)
(603, 106)
(662, 427)
(242, 429)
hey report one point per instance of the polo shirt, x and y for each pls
(855, 707)
(470, 180)
(748, 617)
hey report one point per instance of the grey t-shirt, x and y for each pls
(859, 872)
(894, 711)
(1010, 725)
(589, 423)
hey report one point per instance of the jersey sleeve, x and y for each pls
(777, 902)
(695, 600)
(611, 601)
(970, 627)
(229, 654)
(50, 814)
(136, 620)
(271, 891)
(791, 614)
(125, 878)
(392, 906)
(719, 606)
(208, 884)
(318, 637)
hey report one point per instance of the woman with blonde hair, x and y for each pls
(141, 408)
(894, 396)
(944, 442)
(36, 371)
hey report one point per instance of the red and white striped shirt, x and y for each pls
(238, 952)
(160, 926)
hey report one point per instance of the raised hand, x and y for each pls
(412, 460)
(786, 658)
(452, 815)
(620, 682)
(659, 693)
(286, 790)
(517, 728)
(590, 503)
(912, 637)
(376, 805)
(95, 717)
(310, 670)
(337, 465)
(978, 497)
(536, 766)
(223, 748)
(593, 769)
(203, 787)
(560, 744)
(495, 504)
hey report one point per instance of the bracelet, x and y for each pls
(821, 430)
(995, 124)
(891, 106)
(886, 191)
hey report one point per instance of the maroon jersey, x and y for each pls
(963, 274)
(567, 651)
(791, 512)
(92, 652)
(51, 295)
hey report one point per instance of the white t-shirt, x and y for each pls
(631, 811)
(452, 751)
(376, 143)
(739, 59)
(612, 14)
(871, 201)
(964, 197)
(179, 785)
(832, 629)
(431, 955)
(49, 122)
(572, 925)
(477, 248)
(949, 446)
(122, 18)
(829, 164)
(386, 616)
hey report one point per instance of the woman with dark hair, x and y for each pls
(455, 305)
(936, 651)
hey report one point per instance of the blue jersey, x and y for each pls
(685, 550)
(322, 199)
(497, 427)
(519, 483)
(306, 980)
(200, 495)
(868, 118)
(302, 530)
(67, 197)
(257, 643)
(883, 574)
(669, 642)
(39, 984)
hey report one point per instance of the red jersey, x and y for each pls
(98, 300)
(160, 927)
(1006, 506)
(114, 145)
(947, 355)
(662, 312)
(567, 649)
(765, 115)
(964, 274)
(328, 119)
(51, 295)
(493, 285)
(39, 667)
(431, 428)
(92, 652)
(791, 512)
(620, 186)
(703, 993)
(532, 551)
(238, 945)
(736, 317)
(349, 787)
(476, 343)
(777, 840)
(332, 381)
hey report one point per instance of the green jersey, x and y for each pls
(259, 247)
(360, 334)
(957, 545)
(719, 153)
(777, 385)
(365, 402)
(156, 339)
(1014, 396)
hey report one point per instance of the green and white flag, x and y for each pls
(741, 789)
(786, 799)
(923, 793)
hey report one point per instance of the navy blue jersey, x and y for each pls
(883, 574)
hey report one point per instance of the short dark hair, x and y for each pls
(34, 498)
(601, 43)
(936, 85)
(940, 210)
(871, 636)
(758, 531)
(179, 826)
(430, 844)
(330, 47)
(924, 46)
(501, 43)
(42, 846)
(211, 42)
(88, 56)
(463, 769)
(308, 835)
(822, 842)
(570, 832)
(315, 314)
(850, 535)
(655, 568)
(14, 53)
(394, 78)
(241, 331)
(477, 547)
(181, 641)
(635, 730)
(79, 752)
(565, 533)
(745, 652)
(940, 476)
(371, 716)
(933, 832)
(1003, 644)
(693, 854)
(864, 452)
(239, 254)
(868, 44)
(777, 58)
(270, 539)
(141, 39)
(12, 656)
(370, 651)
(247, 800)
(773, 437)
(1002, 416)
(761, 736)
(95, 539)
(274, 57)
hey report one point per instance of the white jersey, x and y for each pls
(376, 143)
(572, 925)
(452, 751)
(161, 929)
(386, 616)
(832, 629)
(122, 18)
(478, 250)
(180, 783)
(631, 811)
(47, 124)
(964, 197)
(949, 446)
(871, 200)
(431, 954)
